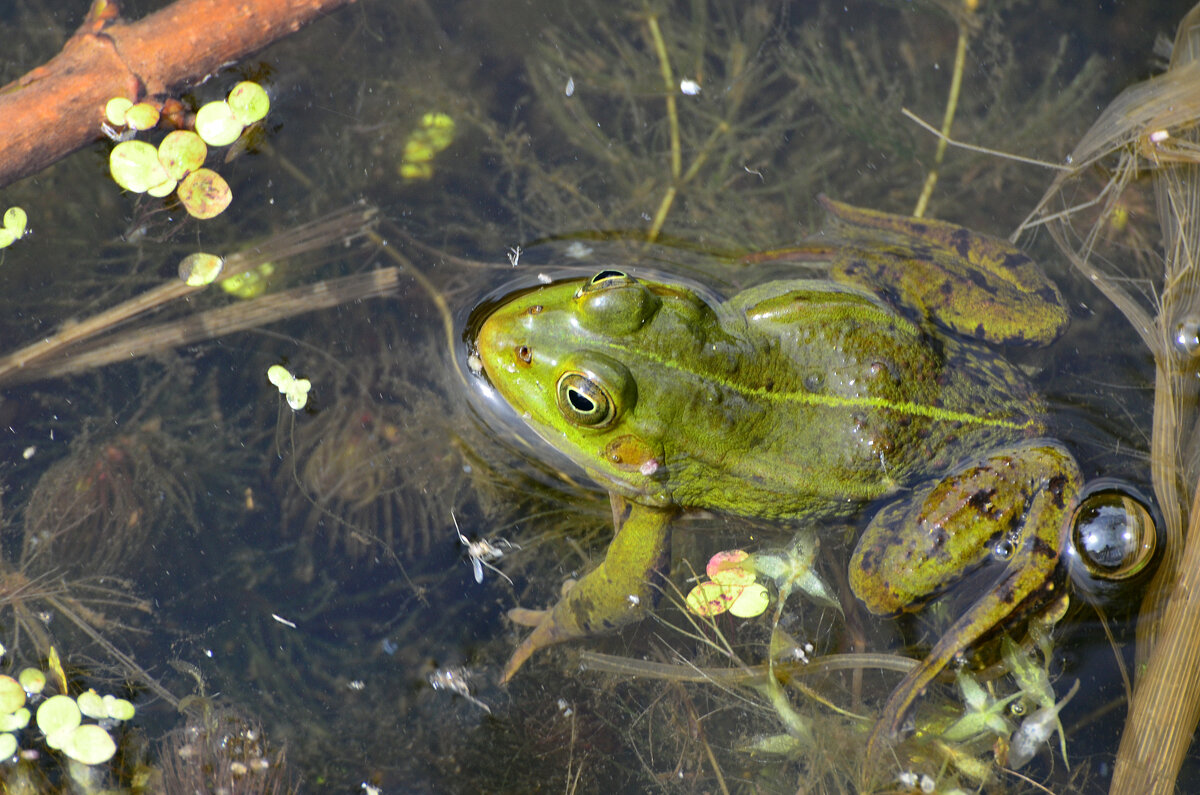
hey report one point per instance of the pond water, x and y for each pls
(298, 581)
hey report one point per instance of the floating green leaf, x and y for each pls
(12, 695)
(217, 125)
(249, 102)
(142, 116)
(135, 167)
(182, 152)
(14, 722)
(114, 111)
(200, 269)
(57, 715)
(751, 602)
(294, 389)
(711, 598)
(726, 567)
(90, 744)
(15, 221)
(118, 708)
(204, 193)
(91, 705)
(8, 746)
(32, 680)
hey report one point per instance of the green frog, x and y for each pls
(807, 399)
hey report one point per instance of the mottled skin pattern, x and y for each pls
(801, 399)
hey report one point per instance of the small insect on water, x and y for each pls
(482, 552)
(455, 680)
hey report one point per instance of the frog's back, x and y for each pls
(836, 399)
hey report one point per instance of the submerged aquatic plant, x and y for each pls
(96, 510)
(219, 750)
(1151, 130)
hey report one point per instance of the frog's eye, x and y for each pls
(594, 390)
(1113, 537)
(584, 401)
(605, 279)
(615, 303)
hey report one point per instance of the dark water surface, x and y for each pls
(301, 572)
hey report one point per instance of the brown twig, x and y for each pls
(59, 106)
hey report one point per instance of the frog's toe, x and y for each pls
(547, 632)
(525, 617)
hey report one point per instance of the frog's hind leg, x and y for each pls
(1050, 480)
(614, 594)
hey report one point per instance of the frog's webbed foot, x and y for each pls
(613, 595)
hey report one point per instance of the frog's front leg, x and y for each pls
(1013, 509)
(614, 594)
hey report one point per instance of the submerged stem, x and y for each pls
(960, 59)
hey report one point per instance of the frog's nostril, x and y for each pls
(524, 354)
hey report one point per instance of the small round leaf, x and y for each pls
(32, 679)
(217, 125)
(90, 744)
(204, 193)
(200, 269)
(15, 221)
(181, 152)
(751, 602)
(119, 708)
(135, 167)
(711, 598)
(249, 102)
(92, 705)
(12, 695)
(114, 111)
(58, 714)
(725, 567)
(8, 745)
(14, 722)
(142, 116)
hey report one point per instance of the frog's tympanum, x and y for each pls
(805, 399)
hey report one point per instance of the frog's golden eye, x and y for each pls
(584, 401)
(1113, 537)
(594, 390)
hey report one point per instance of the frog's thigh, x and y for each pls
(974, 284)
(915, 548)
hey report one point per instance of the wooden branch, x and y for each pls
(58, 107)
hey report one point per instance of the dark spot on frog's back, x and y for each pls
(981, 501)
(1043, 549)
(868, 559)
(1057, 485)
(1014, 260)
(961, 242)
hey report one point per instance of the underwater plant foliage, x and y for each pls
(309, 564)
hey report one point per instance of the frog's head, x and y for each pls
(568, 356)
